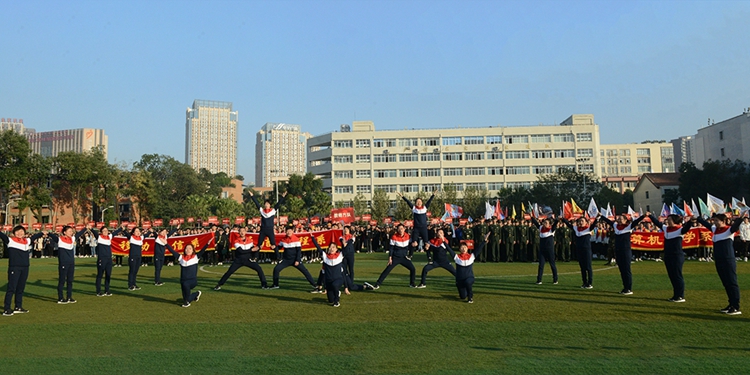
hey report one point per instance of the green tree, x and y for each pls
(403, 211)
(34, 190)
(215, 181)
(380, 205)
(169, 184)
(360, 204)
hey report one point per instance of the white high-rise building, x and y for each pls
(76, 140)
(280, 151)
(211, 137)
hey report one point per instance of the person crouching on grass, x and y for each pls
(189, 271)
(465, 268)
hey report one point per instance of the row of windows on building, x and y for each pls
(460, 156)
(665, 151)
(468, 171)
(428, 188)
(468, 140)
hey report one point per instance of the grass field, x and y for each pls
(514, 326)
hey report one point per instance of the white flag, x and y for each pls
(593, 210)
(715, 205)
(488, 210)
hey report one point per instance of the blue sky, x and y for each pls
(645, 69)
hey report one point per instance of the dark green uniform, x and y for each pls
(494, 241)
(480, 230)
(534, 243)
(522, 236)
(565, 241)
(509, 239)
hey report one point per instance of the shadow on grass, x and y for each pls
(269, 294)
(91, 291)
(717, 348)
(709, 316)
(487, 349)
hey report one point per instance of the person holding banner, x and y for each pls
(347, 248)
(244, 249)
(399, 254)
(546, 248)
(267, 216)
(623, 228)
(134, 254)
(726, 264)
(582, 234)
(103, 260)
(419, 213)
(18, 248)
(66, 260)
(465, 268)
(674, 257)
(439, 248)
(292, 257)
(189, 271)
(160, 244)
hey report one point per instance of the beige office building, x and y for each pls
(623, 164)
(14, 124)
(211, 137)
(360, 159)
(76, 140)
(280, 151)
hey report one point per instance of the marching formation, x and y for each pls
(337, 260)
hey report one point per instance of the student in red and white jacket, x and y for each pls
(292, 257)
(724, 257)
(18, 247)
(465, 268)
(267, 217)
(135, 254)
(546, 248)
(438, 247)
(103, 260)
(66, 260)
(674, 228)
(189, 271)
(399, 254)
(243, 257)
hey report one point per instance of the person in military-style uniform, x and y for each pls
(522, 239)
(534, 239)
(494, 240)
(559, 241)
(481, 230)
(509, 239)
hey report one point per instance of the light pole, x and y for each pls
(103, 211)
(7, 206)
(583, 160)
(276, 181)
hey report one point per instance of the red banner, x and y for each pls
(36, 226)
(345, 215)
(434, 221)
(158, 222)
(387, 220)
(225, 221)
(121, 245)
(146, 224)
(190, 219)
(654, 241)
(113, 223)
(213, 220)
(373, 222)
(366, 217)
(283, 220)
(48, 226)
(324, 238)
(409, 223)
(314, 220)
(7, 228)
(239, 220)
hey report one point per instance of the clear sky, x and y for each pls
(645, 69)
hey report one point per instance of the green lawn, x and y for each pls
(514, 326)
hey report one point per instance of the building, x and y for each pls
(725, 140)
(52, 143)
(650, 189)
(684, 150)
(234, 193)
(211, 137)
(359, 159)
(14, 124)
(622, 164)
(280, 151)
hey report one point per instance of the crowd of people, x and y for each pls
(544, 241)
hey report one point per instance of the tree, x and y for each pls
(671, 196)
(215, 181)
(77, 175)
(403, 211)
(473, 201)
(360, 204)
(34, 190)
(380, 205)
(169, 184)
(552, 189)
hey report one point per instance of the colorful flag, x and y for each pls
(676, 210)
(715, 205)
(499, 211)
(704, 208)
(514, 215)
(664, 210)
(593, 210)
(686, 209)
(694, 208)
(739, 206)
(453, 210)
(574, 207)
(632, 214)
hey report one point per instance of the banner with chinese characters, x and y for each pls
(654, 241)
(121, 245)
(324, 239)
(342, 215)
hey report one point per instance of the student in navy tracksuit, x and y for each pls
(160, 243)
(724, 258)
(623, 228)
(465, 268)
(674, 257)
(66, 261)
(419, 212)
(135, 254)
(583, 249)
(439, 248)
(189, 271)
(546, 248)
(103, 260)
(267, 216)
(347, 248)
(292, 257)
(18, 248)
(335, 272)
(243, 256)
(399, 254)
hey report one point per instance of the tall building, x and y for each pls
(359, 159)
(14, 124)
(211, 137)
(77, 140)
(623, 164)
(725, 140)
(684, 150)
(280, 151)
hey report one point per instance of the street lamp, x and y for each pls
(583, 160)
(101, 216)
(276, 181)
(14, 198)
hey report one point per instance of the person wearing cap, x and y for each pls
(399, 254)
(66, 260)
(292, 257)
(18, 247)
